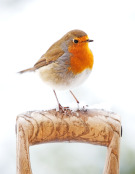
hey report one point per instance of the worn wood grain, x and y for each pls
(93, 126)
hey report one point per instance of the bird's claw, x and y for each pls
(62, 109)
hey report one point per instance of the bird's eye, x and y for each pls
(75, 41)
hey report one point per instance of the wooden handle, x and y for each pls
(93, 126)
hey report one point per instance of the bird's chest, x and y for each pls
(80, 60)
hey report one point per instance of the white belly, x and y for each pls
(62, 80)
(79, 78)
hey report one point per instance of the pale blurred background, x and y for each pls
(27, 29)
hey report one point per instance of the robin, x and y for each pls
(67, 63)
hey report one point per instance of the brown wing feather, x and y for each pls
(50, 56)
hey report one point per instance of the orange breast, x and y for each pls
(81, 56)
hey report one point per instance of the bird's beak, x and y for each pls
(89, 40)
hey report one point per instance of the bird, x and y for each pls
(66, 64)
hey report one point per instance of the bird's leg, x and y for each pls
(59, 105)
(84, 107)
(75, 98)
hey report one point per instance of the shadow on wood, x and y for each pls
(93, 126)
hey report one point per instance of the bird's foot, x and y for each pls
(62, 109)
(85, 108)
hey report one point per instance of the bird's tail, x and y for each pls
(27, 70)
